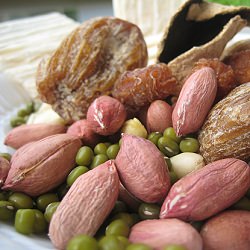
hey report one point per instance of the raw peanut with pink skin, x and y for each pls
(228, 230)
(4, 169)
(142, 169)
(26, 133)
(159, 116)
(207, 191)
(86, 205)
(194, 102)
(106, 115)
(159, 233)
(42, 165)
(82, 130)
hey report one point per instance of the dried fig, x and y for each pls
(87, 64)
(140, 87)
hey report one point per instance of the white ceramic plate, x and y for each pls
(9, 238)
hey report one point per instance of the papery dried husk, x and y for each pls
(199, 30)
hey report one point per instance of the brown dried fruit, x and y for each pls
(82, 130)
(240, 63)
(87, 64)
(86, 205)
(4, 170)
(24, 134)
(142, 169)
(228, 230)
(194, 102)
(106, 115)
(225, 133)
(140, 87)
(207, 191)
(39, 166)
(225, 76)
(160, 233)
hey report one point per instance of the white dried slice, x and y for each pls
(182, 65)
(236, 47)
(205, 11)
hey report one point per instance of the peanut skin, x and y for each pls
(228, 230)
(39, 166)
(24, 134)
(142, 169)
(82, 130)
(86, 205)
(159, 233)
(207, 191)
(194, 102)
(106, 115)
(159, 116)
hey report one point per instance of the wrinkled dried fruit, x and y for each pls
(228, 230)
(39, 166)
(226, 130)
(87, 64)
(82, 130)
(142, 169)
(4, 169)
(159, 233)
(194, 102)
(225, 76)
(106, 115)
(159, 116)
(140, 87)
(24, 134)
(240, 63)
(86, 205)
(207, 191)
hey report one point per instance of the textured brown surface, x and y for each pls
(87, 64)
(226, 132)
(240, 63)
(140, 87)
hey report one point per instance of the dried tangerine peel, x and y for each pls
(197, 39)
(87, 64)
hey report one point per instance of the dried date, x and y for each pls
(140, 87)
(87, 64)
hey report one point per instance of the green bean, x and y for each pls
(168, 146)
(118, 227)
(98, 160)
(25, 220)
(189, 145)
(7, 156)
(21, 200)
(170, 133)
(40, 225)
(112, 151)
(75, 173)
(82, 242)
(148, 211)
(44, 200)
(100, 148)
(154, 137)
(84, 156)
(111, 242)
(138, 246)
(7, 211)
(50, 210)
